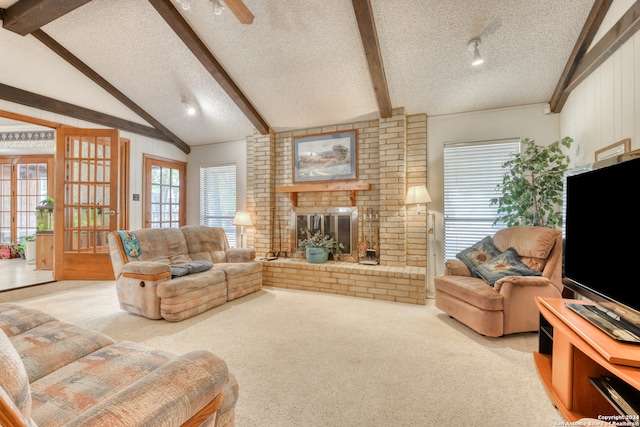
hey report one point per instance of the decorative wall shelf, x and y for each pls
(352, 187)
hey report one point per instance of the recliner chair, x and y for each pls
(509, 306)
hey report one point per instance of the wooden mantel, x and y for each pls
(352, 187)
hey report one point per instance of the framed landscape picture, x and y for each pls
(325, 157)
(615, 149)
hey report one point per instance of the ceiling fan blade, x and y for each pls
(241, 11)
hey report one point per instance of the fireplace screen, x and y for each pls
(339, 223)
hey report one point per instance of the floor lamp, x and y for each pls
(242, 219)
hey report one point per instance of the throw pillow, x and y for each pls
(506, 264)
(130, 243)
(479, 253)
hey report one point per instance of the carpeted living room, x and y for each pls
(194, 147)
(313, 359)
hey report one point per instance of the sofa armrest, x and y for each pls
(455, 267)
(522, 281)
(240, 254)
(168, 396)
(146, 270)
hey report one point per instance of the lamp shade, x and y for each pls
(416, 195)
(242, 218)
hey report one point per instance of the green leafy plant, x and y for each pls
(532, 185)
(47, 202)
(317, 240)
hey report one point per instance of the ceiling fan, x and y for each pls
(237, 7)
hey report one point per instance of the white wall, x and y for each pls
(605, 107)
(215, 154)
(527, 121)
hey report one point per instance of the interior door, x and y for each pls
(86, 202)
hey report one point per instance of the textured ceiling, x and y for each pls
(301, 64)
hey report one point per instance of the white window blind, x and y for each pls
(472, 172)
(218, 198)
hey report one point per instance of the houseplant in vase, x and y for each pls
(317, 247)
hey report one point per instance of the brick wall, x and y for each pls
(391, 157)
(399, 284)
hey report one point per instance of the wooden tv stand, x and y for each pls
(570, 351)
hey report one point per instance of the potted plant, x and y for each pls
(532, 186)
(317, 247)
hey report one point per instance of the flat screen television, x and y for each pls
(601, 229)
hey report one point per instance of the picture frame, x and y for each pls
(325, 157)
(617, 148)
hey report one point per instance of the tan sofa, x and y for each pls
(57, 374)
(509, 306)
(144, 280)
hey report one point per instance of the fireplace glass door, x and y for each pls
(339, 223)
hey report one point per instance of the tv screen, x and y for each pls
(601, 229)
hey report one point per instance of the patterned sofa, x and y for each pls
(146, 285)
(56, 374)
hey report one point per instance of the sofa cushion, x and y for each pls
(166, 245)
(13, 377)
(472, 290)
(55, 344)
(66, 393)
(15, 319)
(479, 253)
(506, 264)
(533, 244)
(208, 243)
(187, 284)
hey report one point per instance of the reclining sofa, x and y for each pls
(508, 305)
(150, 265)
(57, 374)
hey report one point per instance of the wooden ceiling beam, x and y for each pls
(30, 99)
(26, 16)
(100, 81)
(589, 30)
(369, 36)
(622, 31)
(211, 64)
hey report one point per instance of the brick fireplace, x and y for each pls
(391, 157)
(338, 222)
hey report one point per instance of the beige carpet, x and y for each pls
(312, 359)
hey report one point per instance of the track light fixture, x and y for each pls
(191, 110)
(473, 47)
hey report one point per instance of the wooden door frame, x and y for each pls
(124, 151)
(147, 160)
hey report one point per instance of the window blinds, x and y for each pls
(472, 172)
(218, 198)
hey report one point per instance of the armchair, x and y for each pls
(508, 306)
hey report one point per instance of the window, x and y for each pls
(218, 198)
(24, 182)
(164, 192)
(472, 172)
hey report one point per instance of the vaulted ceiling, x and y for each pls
(299, 64)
